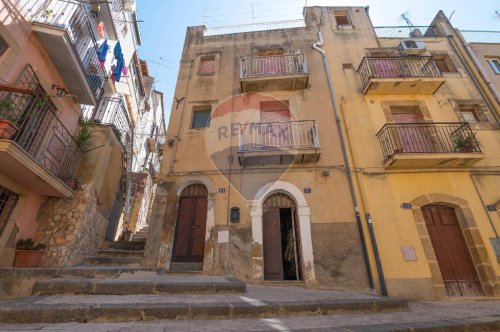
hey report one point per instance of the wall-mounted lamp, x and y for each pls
(60, 91)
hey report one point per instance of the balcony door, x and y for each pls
(271, 62)
(411, 135)
(275, 121)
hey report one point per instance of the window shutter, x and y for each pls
(207, 66)
(274, 111)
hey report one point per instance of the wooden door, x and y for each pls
(453, 256)
(273, 260)
(412, 136)
(385, 68)
(190, 229)
(276, 131)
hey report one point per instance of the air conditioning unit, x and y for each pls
(412, 47)
(130, 5)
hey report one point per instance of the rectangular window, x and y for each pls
(444, 63)
(3, 46)
(495, 65)
(274, 111)
(207, 65)
(341, 17)
(8, 202)
(472, 114)
(201, 118)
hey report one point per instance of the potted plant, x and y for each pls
(28, 253)
(8, 121)
(467, 142)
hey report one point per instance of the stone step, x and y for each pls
(147, 285)
(37, 310)
(120, 253)
(186, 267)
(140, 238)
(129, 245)
(116, 261)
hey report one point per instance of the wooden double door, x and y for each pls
(452, 254)
(190, 230)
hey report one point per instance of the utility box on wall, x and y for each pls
(235, 214)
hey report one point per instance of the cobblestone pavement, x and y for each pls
(421, 314)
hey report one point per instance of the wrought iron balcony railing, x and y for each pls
(111, 111)
(276, 65)
(483, 37)
(273, 136)
(429, 137)
(40, 132)
(75, 17)
(409, 32)
(397, 67)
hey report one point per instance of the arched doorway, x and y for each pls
(452, 253)
(190, 228)
(281, 244)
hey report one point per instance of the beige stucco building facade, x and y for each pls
(254, 129)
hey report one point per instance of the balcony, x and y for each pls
(435, 144)
(113, 16)
(271, 73)
(278, 143)
(112, 112)
(42, 155)
(64, 29)
(409, 75)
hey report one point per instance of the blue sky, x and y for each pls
(165, 22)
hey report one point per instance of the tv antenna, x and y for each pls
(406, 17)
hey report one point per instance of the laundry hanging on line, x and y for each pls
(100, 29)
(102, 51)
(120, 62)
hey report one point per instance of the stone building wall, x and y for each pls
(72, 228)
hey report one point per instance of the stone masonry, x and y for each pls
(72, 228)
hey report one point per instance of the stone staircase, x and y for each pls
(113, 287)
(122, 252)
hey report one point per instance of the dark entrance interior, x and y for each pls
(189, 241)
(282, 259)
(452, 254)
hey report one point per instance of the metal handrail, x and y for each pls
(41, 133)
(397, 67)
(262, 26)
(268, 136)
(273, 65)
(483, 37)
(425, 137)
(423, 31)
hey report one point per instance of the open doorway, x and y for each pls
(282, 259)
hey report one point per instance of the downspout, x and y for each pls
(472, 72)
(480, 68)
(317, 47)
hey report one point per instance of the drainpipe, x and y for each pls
(317, 47)
(480, 69)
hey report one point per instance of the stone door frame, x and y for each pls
(473, 239)
(182, 184)
(303, 216)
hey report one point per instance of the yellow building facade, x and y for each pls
(335, 154)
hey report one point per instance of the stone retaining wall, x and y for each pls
(71, 227)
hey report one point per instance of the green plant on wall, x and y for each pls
(7, 111)
(82, 139)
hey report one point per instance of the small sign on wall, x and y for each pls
(406, 205)
(409, 254)
(223, 236)
(222, 190)
(491, 208)
(307, 190)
